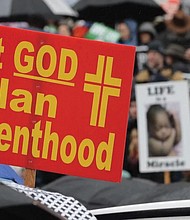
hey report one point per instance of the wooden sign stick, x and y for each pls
(29, 177)
(167, 177)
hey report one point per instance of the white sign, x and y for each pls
(163, 115)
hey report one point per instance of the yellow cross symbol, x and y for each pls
(102, 85)
(1, 51)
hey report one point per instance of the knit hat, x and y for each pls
(175, 50)
(147, 27)
(180, 23)
(156, 46)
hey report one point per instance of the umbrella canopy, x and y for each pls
(114, 10)
(165, 192)
(95, 194)
(32, 7)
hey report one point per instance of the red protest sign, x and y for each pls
(64, 103)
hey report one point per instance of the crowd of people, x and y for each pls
(162, 54)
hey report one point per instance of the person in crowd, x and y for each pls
(146, 33)
(155, 69)
(80, 28)
(177, 30)
(133, 152)
(51, 26)
(175, 57)
(164, 131)
(131, 149)
(65, 27)
(128, 32)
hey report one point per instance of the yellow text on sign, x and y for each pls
(25, 64)
(18, 139)
(22, 100)
(2, 49)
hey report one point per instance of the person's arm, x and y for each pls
(162, 148)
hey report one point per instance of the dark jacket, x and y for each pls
(164, 74)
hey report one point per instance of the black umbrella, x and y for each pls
(32, 7)
(95, 194)
(17, 206)
(165, 192)
(108, 11)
